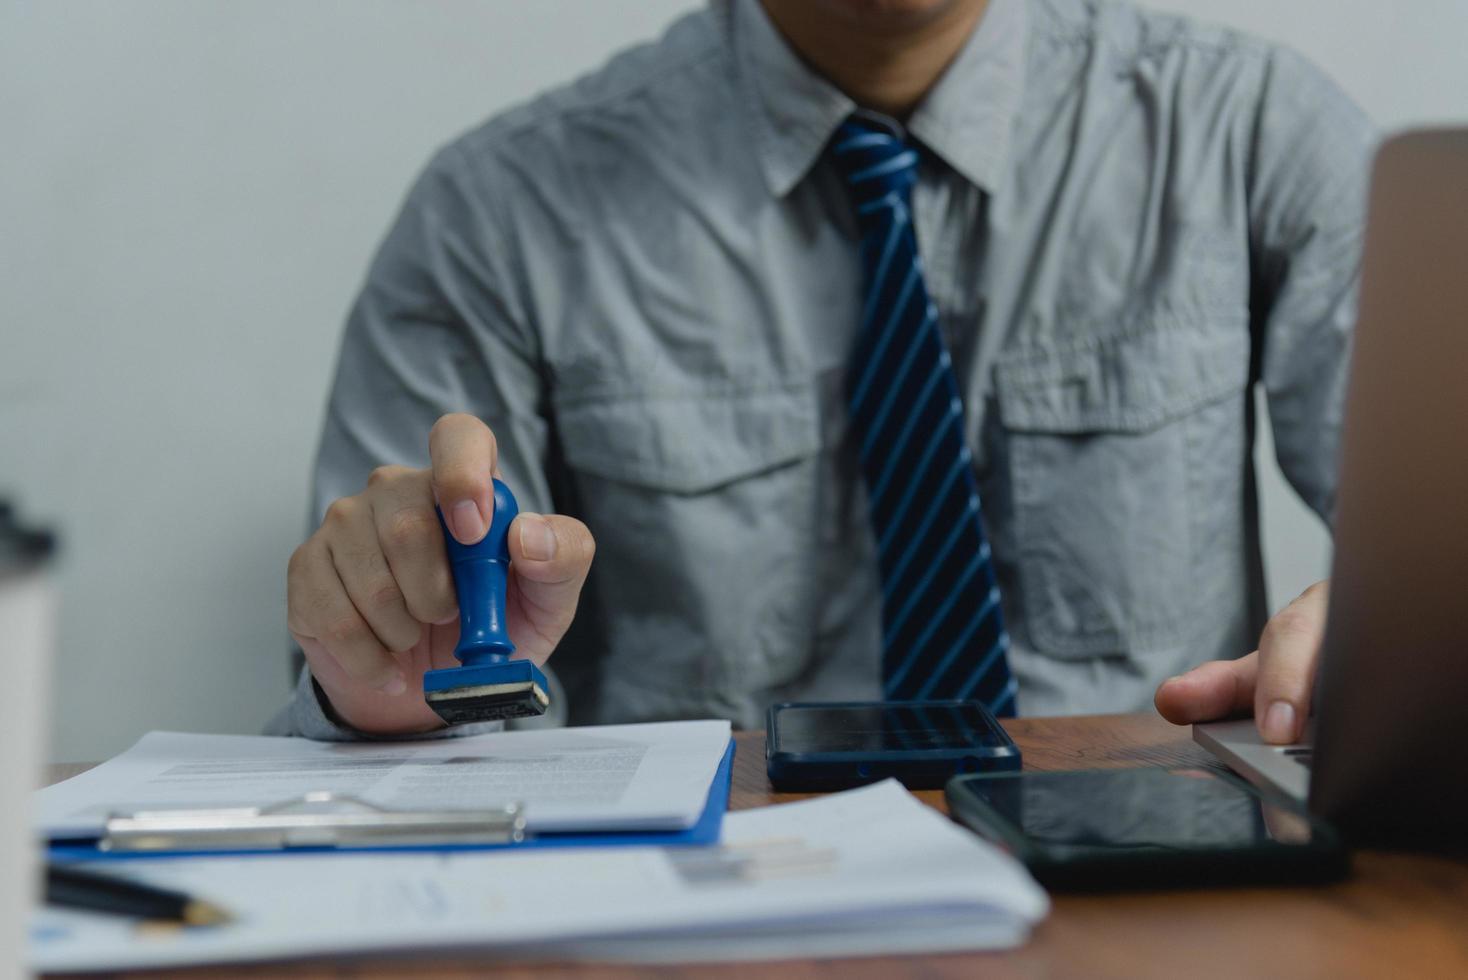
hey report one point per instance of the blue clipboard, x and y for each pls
(705, 831)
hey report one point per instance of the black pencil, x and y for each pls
(73, 888)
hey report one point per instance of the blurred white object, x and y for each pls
(27, 647)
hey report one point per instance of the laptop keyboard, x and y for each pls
(1300, 753)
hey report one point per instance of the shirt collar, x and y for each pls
(965, 119)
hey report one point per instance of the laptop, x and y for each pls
(1385, 758)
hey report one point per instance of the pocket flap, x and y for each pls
(689, 441)
(1125, 383)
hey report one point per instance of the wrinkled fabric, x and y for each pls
(647, 283)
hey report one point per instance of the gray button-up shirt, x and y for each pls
(647, 283)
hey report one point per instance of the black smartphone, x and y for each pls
(1146, 828)
(836, 745)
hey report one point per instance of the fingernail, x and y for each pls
(468, 525)
(1174, 677)
(394, 685)
(537, 540)
(1279, 723)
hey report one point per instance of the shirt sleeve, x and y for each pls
(1310, 167)
(436, 329)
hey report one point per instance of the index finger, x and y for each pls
(464, 458)
(1288, 652)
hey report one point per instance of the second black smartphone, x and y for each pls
(836, 745)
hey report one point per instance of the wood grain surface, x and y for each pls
(1398, 915)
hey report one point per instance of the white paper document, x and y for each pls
(614, 777)
(863, 872)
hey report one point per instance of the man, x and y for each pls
(896, 348)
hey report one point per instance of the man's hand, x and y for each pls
(370, 598)
(1274, 681)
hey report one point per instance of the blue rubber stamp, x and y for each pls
(489, 686)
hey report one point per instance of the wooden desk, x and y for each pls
(1398, 915)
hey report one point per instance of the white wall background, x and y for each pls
(189, 194)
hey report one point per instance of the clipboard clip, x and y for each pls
(315, 820)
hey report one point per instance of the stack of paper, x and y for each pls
(864, 872)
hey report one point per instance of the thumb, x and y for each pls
(550, 556)
(1216, 690)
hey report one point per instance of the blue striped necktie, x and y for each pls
(943, 632)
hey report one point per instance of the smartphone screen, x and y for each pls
(870, 728)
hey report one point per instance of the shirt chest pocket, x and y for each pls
(1114, 450)
(702, 503)
(689, 443)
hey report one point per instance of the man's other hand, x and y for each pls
(1274, 682)
(370, 598)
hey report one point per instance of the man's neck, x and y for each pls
(883, 63)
